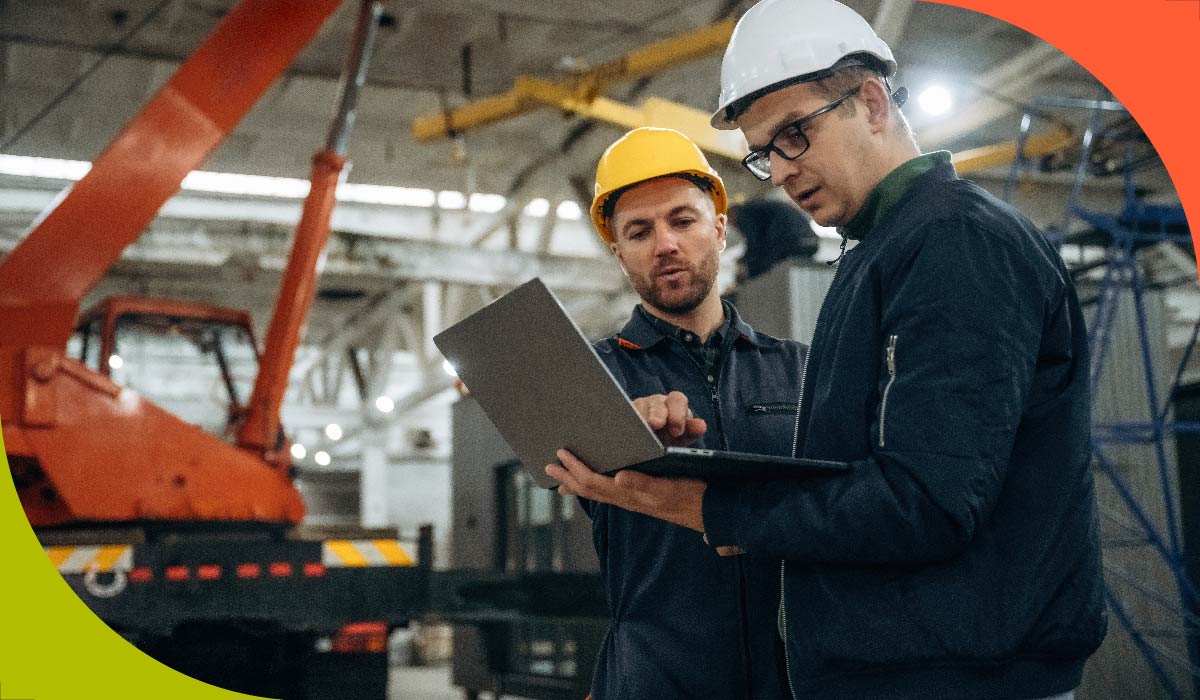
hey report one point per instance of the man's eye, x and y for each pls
(684, 223)
(791, 135)
(638, 235)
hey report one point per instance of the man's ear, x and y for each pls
(616, 251)
(722, 220)
(875, 97)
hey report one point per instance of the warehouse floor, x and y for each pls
(422, 683)
(425, 683)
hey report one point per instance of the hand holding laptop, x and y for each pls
(678, 501)
(672, 499)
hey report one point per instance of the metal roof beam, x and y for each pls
(378, 260)
(891, 19)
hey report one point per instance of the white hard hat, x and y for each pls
(783, 42)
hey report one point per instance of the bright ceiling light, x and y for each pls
(451, 199)
(449, 368)
(115, 362)
(333, 431)
(568, 210)
(385, 404)
(321, 457)
(298, 450)
(486, 203)
(537, 207)
(935, 100)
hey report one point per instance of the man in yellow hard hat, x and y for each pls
(687, 621)
(960, 557)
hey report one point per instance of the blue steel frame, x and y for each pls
(1137, 225)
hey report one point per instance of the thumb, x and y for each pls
(631, 479)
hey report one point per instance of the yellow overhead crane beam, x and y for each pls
(535, 92)
(581, 96)
(984, 157)
(585, 87)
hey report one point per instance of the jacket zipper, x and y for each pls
(787, 659)
(800, 402)
(783, 407)
(891, 368)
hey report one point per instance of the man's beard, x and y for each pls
(673, 300)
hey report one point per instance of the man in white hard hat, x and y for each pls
(960, 558)
(687, 621)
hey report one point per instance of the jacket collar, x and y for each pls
(640, 334)
(888, 195)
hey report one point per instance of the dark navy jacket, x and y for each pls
(680, 613)
(960, 558)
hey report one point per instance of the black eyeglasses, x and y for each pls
(790, 142)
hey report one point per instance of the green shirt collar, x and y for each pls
(888, 193)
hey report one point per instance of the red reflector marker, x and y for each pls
(280, 568)
(140, 574)
(314, 568)
(360, 637)
(208, 572)
(249, 570)
(177, 573)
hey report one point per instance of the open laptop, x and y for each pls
(544, 388)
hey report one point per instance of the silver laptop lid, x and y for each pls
(542, 385)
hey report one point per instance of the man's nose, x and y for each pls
(665, 240)
(782, 169)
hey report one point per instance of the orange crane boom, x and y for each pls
(74, 245)
(82, 448)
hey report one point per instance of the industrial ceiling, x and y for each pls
(73, 72)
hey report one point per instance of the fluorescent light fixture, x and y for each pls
(486, 203)
(568, 210)
(385, 404)
(333, 431)
(450, 199)
(52, 168)
(935, 100)
(449, 368)
(286, 187)
(298, 450)
(115, 362)
(384, 194)
(321, 457)
(537, 207)
(253, 185)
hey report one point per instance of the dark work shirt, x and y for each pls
(707, 353)
(685, 622)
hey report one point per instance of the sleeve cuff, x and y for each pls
(719, 510)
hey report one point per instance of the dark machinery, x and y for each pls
(503, 522)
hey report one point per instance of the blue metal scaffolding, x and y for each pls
(1124, 235)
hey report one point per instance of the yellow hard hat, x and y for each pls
(644, 154)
